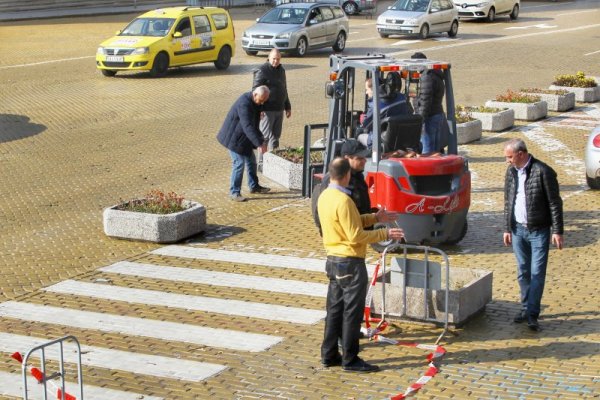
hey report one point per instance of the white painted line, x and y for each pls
(266, 260)
(164, 330)
(46, 62)
(136, 363)
(214, 278)
(12, 385)
(593, 52)
(197, 303)
(404, 41)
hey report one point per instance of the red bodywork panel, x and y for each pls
(397, 194)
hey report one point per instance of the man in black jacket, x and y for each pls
(429, 105)
(240, 135)
(272, 75)
(533, 215)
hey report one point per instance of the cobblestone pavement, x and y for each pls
(73, 142)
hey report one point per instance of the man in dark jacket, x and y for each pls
(356, 153)
(272, 75)
(429, 105)
(240, 135)
(533, 216)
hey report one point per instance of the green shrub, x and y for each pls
(462, 114)
(577, 80)
(559, 92)
(155, 202)
(517, 97)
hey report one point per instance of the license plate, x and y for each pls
(114, 58)
(262, 42)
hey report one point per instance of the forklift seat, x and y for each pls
(401, 132)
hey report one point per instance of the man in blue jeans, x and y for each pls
(533, 216)
(240, 135)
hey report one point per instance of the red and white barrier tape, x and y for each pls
(39, 377)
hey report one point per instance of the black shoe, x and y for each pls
(360, 365)
(533, 324)
(260, 189)
(520, 317)
(336, 362)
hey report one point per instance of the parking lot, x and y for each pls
(73, 142)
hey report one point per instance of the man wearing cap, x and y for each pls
(356, 153)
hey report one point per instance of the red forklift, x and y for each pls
(432, 194)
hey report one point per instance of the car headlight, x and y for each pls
(100, 51)
(141, 50)
(285, 35)
(485, 3)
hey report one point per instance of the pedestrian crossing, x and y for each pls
(133, 326)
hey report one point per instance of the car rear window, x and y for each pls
(221, 21)
(337, 12)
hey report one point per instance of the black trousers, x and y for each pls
(345, 307)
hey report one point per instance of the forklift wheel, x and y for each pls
(462, 235)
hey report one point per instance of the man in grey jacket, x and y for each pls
(533, 216)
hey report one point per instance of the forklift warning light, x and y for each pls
(332, 76)
(384, 68)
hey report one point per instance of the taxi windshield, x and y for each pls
(157, 27)
(294, 16)
(410, 5)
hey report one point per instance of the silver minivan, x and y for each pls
(419, 17)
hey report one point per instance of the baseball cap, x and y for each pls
(353, 147)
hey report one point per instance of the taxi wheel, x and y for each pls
(340, 43)
(108, 72)
(224, 58)
(301, 47)
(160, 65)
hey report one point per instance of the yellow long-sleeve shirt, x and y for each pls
(342, 225)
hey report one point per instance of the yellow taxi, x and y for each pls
(169, 37)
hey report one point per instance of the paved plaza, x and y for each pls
(237, 312)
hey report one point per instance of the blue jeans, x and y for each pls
(434, 133)
(237, 172)
(531, 250)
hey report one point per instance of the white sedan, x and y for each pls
(487, 9)
(592, 159)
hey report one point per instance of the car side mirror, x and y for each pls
(177, 35)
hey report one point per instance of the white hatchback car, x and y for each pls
(487, 9)
(592, 159)
(419, 17)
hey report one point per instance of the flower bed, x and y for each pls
(557, 100)
(468, 131)
(526, 107)
(286, 173)
(492, 119)
(586, 89)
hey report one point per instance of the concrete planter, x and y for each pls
(282, 171)
(584, 95)
(468, 131)
(523, 111)
(497, 121)
(557, 102)
(470, 291)
(158, 228)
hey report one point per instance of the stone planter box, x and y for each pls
(584, 95)
(523, 111)
(158, 228)
(470, 291)
(497, 121)
(282, 171)
(557, 102)
(468, 131)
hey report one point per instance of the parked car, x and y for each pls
(298, 27)
(592, 159)
(350, 7)
(420, 17)
(488, 9)
(169, 37)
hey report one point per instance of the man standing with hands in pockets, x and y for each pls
(346, 241)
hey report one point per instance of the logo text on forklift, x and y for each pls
(449, 204)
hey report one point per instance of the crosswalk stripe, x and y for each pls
(12, 385)
(267, 260)
(198, 303)
(192, 275)
(143, 364)
(170, 331)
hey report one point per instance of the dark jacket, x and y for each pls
(431, 93)
(275, 80)
(542, 198)
(240, 132)
(360, 195)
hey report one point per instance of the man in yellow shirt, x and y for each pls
(346, 241)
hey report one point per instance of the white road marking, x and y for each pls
(143, 364)
(404, 41)
(539, 26)
(12, 385)
(46, 62)
(217, 278)
(143, 327)
(270, 312)
(575, 13)
(593, 52)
